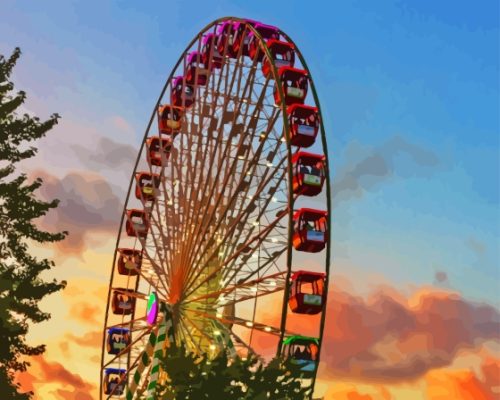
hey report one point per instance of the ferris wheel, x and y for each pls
(225, 234)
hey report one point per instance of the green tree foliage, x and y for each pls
(21, 287)
(193, 377)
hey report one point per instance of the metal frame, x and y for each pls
(197, 256)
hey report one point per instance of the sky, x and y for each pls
(409, 94)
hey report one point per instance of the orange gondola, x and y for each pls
(146, 185)
(158, 150)
(169, 119)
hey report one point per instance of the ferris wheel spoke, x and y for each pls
(201, 153)
(229, 167)
(246, 323)
(184, 328)
(219, 135)
(258, 217)
(192, 322)
(233, 271)
(223, 154)
(128, 323)
(257, 238)
(160, 272)
(262, 210)
(208, 219)
(223, 213)
(194, 205)
(242, 343)
(244, 247)
(271, 282)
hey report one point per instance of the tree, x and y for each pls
(193, 377)
(21, 287)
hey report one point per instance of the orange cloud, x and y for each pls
(490, 369)
(43, 374)
(464, 385)
(347, 391)
(86, 313)
(388, 337)
(67, 395)
(89, 339)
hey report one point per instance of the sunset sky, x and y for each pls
(409, 93)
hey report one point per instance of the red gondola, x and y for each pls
(267, 32)
(118, 339)
(308, 173)
(146, 186)
(225, 40)
(123, 302)
(137, 223)
(304, 124)
(310, 230)
(307, 292)
(210, 55)
(158, 150)
(182, 94)
(283, 56)
(295, 85)
(129, 261)
(241, 37)
(196, 68)
(169, 119)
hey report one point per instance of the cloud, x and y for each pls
(490, 369)
(388, 337)
(89, 339)
(352, 392)
(365, 171)
(465, 385)
(477, 246)
(86, 313)
(44, 373)
(87, 205)
(66, 395)
(107, 153)
(56, 372)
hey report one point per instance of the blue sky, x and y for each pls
(425, 73)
